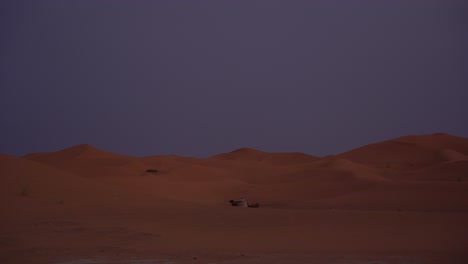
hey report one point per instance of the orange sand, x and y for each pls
(399, 201)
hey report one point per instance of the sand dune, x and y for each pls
(167, 162)
(249, 154)
(243, 154)
(25, 180)
(86, 160)
(404, 197)
(82, 151)
(336, 163)
(452, 155)
(438, 141)
(408, 152)
(327, 177)
(446, 171)
(288, 158)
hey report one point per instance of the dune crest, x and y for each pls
(438, 141)
(400, 196)
(86, 160)
(244, 154)
(82, 151)
(408, 152)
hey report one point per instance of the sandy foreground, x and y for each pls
(403, 200)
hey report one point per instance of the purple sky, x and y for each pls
(202, 77)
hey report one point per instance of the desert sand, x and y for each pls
(404, 200)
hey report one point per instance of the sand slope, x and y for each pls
(409, 152)
(24, 181)
(86, 160)
(446, 171)
(405, 197)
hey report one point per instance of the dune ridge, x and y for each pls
(93, 203)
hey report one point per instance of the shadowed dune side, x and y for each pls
(331, 168)
(438, 141)
(252, 172)
(82, 151)
(242, 154)
(213, 181)
(253, 155)
(289, 186)
(286, 179)
(199, 183)
(336, 205)
(325, 177)
(216, 193)
(24, 180)
(201, 173)
(88, 161)
(288, 158)
(168, 162)
(360, 171)
(446, 171)
(258, 167)
(178, 178)
(408, 152)
(393, 154)
(29, 184)
(452, 155)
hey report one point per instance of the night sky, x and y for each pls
(198, 78)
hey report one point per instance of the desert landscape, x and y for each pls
(403, 200)
(233, 132)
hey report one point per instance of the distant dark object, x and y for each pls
(239, 203)
(25, 191)
(152, 171)
(254, 205)
(243, 203)
(459, 179)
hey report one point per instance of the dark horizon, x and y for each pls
(202, 78)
